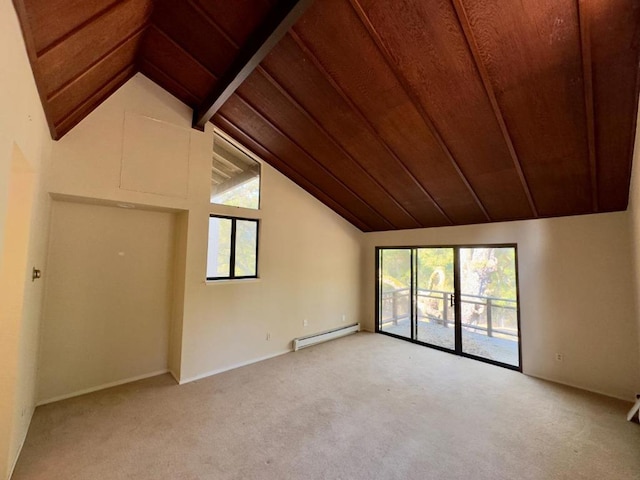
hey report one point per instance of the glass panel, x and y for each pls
(395, 291)
(246, 242)
(435, 315)
(489, 304)
(235, 176)
(219, 253)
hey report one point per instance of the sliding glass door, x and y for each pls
(459, 299)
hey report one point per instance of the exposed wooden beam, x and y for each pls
(267, 35)
(233, 182)
(318, 64)
(373, 33)
(584, 20)
(246, 139)
(299, 107)
(463, 19)
(311, 158)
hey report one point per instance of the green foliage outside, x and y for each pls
(485, 271)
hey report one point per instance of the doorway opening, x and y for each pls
(459, 299)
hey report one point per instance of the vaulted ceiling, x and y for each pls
(396, 114)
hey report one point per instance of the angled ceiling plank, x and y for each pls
(305, 48)
(90, 104)
(27, 34)
(275, 26)
(587, 74)
(333, 140)
(131, 37)
(484, 75)
(373, 33)
(78, 27)
(257, 112)
(211, 21)
(265, 153)
(172, 79)
(146, 66)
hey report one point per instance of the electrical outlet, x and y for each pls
(344, 318)
(268, 335)
(559, 357)
(305, 323)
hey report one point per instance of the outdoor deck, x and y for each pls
(474, 343)
(489, 324)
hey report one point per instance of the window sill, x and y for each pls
(232, 281)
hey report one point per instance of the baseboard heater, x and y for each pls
(309, 340)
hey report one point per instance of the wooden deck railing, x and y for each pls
(397, 303)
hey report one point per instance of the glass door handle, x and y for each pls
(452, 300)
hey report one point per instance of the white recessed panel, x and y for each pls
(155, 157)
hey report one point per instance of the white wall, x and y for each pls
(23, 129)
(634, 221)
(108, 303)
(309, 261)
(576, 294)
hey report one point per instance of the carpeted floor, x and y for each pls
(363, 407)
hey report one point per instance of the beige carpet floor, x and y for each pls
(362, 407)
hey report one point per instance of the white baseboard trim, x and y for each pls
(579, 387)
(232, 367)
(24, 439)
(101, 387)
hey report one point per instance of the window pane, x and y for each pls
(218, 260)
(395, 291)
(235, 176)
(246, 243)
(489, 303)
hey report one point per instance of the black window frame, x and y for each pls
(458, 333)
(232, 249)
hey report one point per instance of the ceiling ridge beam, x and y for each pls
(296, 104)
(313, 160)
(95, 65)
(373, 33)
(305, 48)
(77, 28)
(584, 21)
(138, 31)
(279, 20)
(333, 140)
(171, 79)
(110, 86)
(463, 20)
(347, 214)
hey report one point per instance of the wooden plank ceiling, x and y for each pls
(402, 114)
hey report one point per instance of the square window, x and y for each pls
(233, 248)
